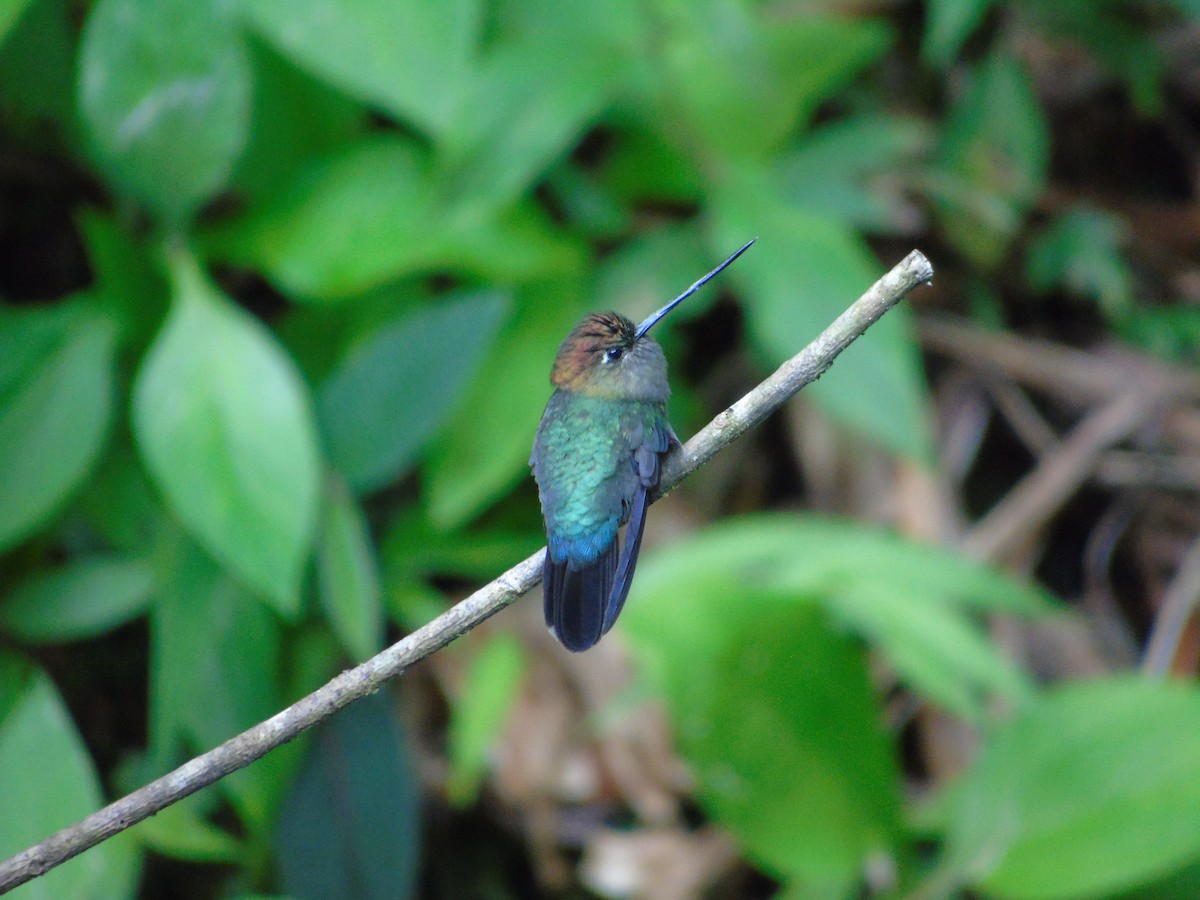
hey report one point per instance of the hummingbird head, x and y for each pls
(604, 357)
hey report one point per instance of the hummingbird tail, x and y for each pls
(575, 599)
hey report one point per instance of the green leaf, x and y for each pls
(222, 419)
(644, 165)
(1172, 332)
(853, 169)
(485, 445)
(650, 269)
(395, 389)
(80, 600)
(347, 573)
(479, 713)
(948, 23)
(129, 286)
(803, 273)
(349, 828)
(48, 782)
(214, 672)
(914, 602)
(164, 89)
(745, 85)
(10, 14)
(380, 193)
(294, 118)
(120, 504)
(1090, 791)
(992, 162)
(938, 649)
(531, 102)
(776, 716)
(55, 404)
(412, 549)
(180, 833)
(1080, 251)
(408, 57)
(37, 74)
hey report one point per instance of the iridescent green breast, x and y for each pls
(583, 462)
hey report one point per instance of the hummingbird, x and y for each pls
(597, 459)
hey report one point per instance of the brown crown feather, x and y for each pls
(580, 352)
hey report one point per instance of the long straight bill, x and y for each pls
(653, 319)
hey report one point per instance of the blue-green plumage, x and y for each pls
(597, 459)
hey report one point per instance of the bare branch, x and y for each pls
(240, 751)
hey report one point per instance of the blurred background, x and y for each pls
(282, 282)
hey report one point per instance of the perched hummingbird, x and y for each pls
(597, 457)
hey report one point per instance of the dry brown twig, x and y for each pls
(1126, 392)
(238, 752)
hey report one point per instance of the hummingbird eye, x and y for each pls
(612, 354)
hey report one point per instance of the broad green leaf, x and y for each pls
(349, 828)
(744, 84)
(82, 599)
(214, 672)
(531, 101)
(1080, 251)
(349, 221)
(619, 26)
(939, 650)
(644, 165)
(347, 573)
(479, 713)
(394, 390)
(55, 405)
(10, 13)
(519, 243)
(120, 504)
(777, 718)
(127, 282)
(294, 118)
(164, 89)
(1171, 332)
(948, 24)
(178, 832)
(803, 273)
(412, 549)
(1092, 790)
(810, 554)
(485, 446)
(367, 215)
(37, 73)
(915, 602)
(853, 169)
(653, 267)
(410, 58)
(992, 162)
(48, 782)
(1181, 884)
(222, 419)
(588, 207)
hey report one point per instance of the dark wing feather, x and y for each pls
(647, 465)
(629, 555)
(575, 598)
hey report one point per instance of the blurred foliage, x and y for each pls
(284, 409)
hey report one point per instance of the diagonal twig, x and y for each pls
(238, 752)
(1041, 493)
(1179, 603)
